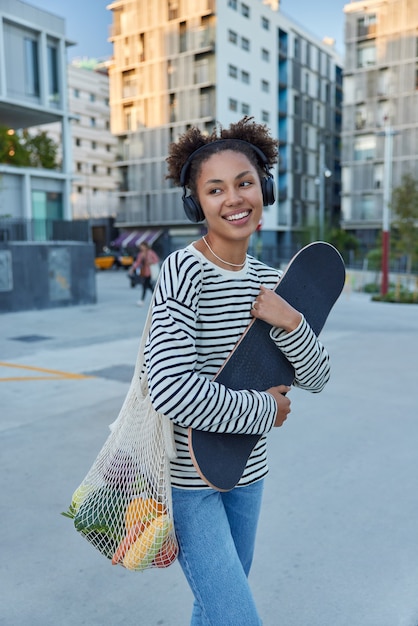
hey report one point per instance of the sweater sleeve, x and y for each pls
(306, 353)
(177, 390)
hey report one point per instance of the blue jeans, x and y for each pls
(216, 534)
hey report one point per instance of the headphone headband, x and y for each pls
(185, 169)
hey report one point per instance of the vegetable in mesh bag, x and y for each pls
(123, 506)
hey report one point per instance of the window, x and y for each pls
(94, 169)
(364, 147)
(245, 77)
(265, 23)
(245, 108)
(245, 10)
(183, 37)
(296, 48)
(109, 171)
(232, 71)
(76, 93)
(308, 54)
(107, 147)
(245, 44)
(232, 37)
(79, 189)
(78, 142)
(53, 85)
(232, 104)
(265, 117)
(79, 167)
(265, 86)
(93, 145)
(366, 54)
(366, 26)
(92, 121)
(233, 4)
(31, 67)
(265, 54)
(172, 9)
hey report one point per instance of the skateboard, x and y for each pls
(311, 283)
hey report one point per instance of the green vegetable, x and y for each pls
(102, 512)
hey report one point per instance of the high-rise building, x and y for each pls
(200, 62)
(380, 111)
(94, 148)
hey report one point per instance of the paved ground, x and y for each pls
(337, 543)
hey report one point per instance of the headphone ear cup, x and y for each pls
(193, 209)
(269, 191)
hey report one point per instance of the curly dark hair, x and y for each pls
(246, 130)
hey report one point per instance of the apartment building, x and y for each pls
(94, 149)
(202, 62)
(380, 109)
(33, 91)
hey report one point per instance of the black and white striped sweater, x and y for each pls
(200, 311)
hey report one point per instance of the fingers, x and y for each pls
(282, 403)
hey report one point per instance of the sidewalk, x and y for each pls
(337, 543)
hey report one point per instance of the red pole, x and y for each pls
(385, 262)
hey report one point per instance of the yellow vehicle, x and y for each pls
(107, 260)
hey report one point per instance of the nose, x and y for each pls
(233, 196)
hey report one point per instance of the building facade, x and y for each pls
(202, 62)
(380, 109)
(94, 149)
(33, 91)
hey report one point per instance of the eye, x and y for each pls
(214, 191)
(246, 183)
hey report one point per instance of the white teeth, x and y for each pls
(238, 216)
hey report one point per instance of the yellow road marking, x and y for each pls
(54, 374)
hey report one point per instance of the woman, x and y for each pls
(146, 257)
(206, 297)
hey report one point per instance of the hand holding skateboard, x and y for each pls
(282, 402)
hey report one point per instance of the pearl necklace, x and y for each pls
(222, 260)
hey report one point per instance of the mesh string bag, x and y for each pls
(123, 507)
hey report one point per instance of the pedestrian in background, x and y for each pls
(142, 266)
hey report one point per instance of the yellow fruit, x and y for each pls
(141, 510)
(143, 551)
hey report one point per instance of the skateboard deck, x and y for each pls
(311, 283)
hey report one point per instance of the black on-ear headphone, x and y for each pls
(192, 206)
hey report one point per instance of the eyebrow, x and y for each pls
(212, 181)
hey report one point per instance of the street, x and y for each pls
(337, 541)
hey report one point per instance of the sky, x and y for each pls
(88, 22)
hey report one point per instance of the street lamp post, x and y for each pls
(324, 173)
(387, 197)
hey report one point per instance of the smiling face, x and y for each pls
(229, 191)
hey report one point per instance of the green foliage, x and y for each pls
(344, 241)
(42, 150)
(26, 150)
(405, 220)
(12, 151)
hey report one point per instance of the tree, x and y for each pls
(42, 149)
(12, 151)
(27, 150)
(405, 220)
